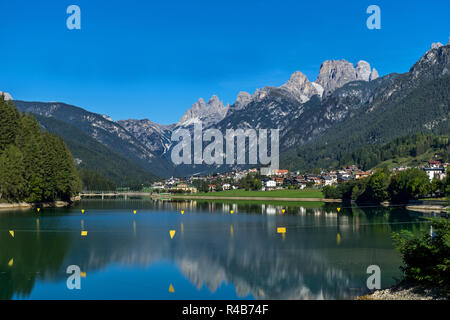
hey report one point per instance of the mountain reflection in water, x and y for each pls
(323, 255)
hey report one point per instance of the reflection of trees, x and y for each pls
(307, 264)
(36, 255)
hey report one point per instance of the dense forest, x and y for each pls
(35, 166)
(404, 150)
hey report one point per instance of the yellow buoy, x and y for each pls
(281, 230)
(283, 210)
(338, 238)
(82, 211)
(182, 212)
(339, 209)
(11, 232)
(84, 233)
(172, 233)
(171, 289)
(11, 263)
(134, 212)
(38, 209)
(231, 211)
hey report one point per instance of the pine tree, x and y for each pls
(9, 123)
(35, 166)
(12, 171)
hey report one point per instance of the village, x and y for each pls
(267, 180)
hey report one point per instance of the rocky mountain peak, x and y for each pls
(6, 95)
(435, 61)
(334, 74)
(259, 94)
(301, 87)
(362, 70)
(374, 75)
(214, 102)
(436, 45)
(243, 99)
(211, 112)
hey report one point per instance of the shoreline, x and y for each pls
(27, 205)
(427, 208)
(404, 292)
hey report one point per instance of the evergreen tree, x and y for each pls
(12, 171)
(9, 123)
(35, 166)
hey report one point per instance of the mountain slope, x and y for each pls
(95, 156)
(154, 136)
(345, 108)
(103, 130)
(425, 109)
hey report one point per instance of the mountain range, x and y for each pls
(320, 122)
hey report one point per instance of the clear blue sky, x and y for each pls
(153, 59)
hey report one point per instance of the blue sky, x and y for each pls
(153, 59)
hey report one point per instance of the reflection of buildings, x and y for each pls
(307, 265)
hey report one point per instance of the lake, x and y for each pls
(324, 254)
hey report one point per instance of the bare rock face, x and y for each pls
(363, 71)
(301, 87)
(6, 95)
(260, 94)
(334, 74)
(209, 113)
(374, 75)
(319, 88)
(243, 99)
(154, 136)
(436, 45)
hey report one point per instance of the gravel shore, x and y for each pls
(404, 293)
(24, 205)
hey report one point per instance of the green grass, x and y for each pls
(407, 161)
(307, 193)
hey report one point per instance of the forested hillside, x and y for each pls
(425, 109)
(35, 166)
(108, 133)
(408, 151)
(101, 168)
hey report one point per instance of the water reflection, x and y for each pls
(323, 255)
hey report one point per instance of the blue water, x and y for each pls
(213, 255)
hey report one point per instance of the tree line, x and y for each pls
(35, 166)
(404, 147)
(384, 185)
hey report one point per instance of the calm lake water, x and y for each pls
(213, 255)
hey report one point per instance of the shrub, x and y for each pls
(426, 258)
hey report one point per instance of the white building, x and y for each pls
(434, 172)
(271, 184)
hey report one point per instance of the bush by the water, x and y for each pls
(426, 257)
